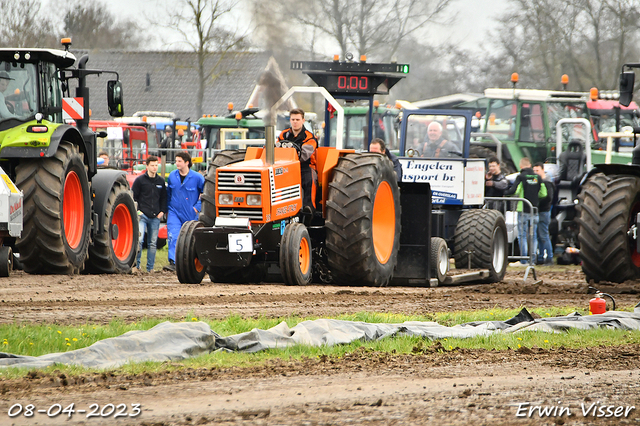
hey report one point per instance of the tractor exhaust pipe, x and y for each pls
(270, 137)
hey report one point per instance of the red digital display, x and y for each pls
(353, 82)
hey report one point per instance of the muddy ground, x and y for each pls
(429, 386)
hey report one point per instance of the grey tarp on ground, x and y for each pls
(176, 341)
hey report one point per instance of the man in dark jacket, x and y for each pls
(527, 185)
(495, 184)
(544, 218)
(150, 192)
(306, 145)
(377, 145)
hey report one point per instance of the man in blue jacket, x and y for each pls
(184, 187)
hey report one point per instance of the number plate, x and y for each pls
(239, 243)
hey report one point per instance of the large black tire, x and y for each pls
(188, 269)
(607, 209)
(52, 243)
(482, 232)
(208, 197)
(478, 151)
(6, 261)
(295, 255)
(363, 220)
(114, 250)
(439, 259)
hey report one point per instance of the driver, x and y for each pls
(4, 83)
(306, 145)
(436, 145)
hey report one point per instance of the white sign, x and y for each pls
(240, 243)
(474, 182)
(445, 176)
(451, 182)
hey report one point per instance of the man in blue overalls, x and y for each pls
(183, 194)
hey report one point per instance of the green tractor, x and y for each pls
(523, 122)
(76, 217)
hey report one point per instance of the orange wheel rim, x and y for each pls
(73, 210)
(122, 245)
(198, 265)
(383, 223)
(304, 256)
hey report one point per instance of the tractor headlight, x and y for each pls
(225, 199)
(254, 200)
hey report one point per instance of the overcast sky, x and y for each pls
(473, 18)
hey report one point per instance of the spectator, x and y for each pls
(184, 187)
(527, 185)
(306, 145)
(103, 159)
(377, 145)
(150, 192)
(544, 218)
(167, 144)
(495, 184)
(436, 144)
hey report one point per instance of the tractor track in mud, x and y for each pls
(430, 386)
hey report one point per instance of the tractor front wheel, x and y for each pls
(114, 250)
(188, 268)
(480, 240)
(295, 255)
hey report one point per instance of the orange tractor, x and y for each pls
(252, 222)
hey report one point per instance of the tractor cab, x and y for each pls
(524, 121)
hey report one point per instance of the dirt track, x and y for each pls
(428, 387)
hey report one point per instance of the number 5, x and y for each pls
(239, 244)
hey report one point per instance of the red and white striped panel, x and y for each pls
(72, 108)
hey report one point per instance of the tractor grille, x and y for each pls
(227, 181)
(252, 213)
(283, 195)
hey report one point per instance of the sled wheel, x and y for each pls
(188, 268)
(295, 255)
(6, 261)
(363, 220)
(56, 212)
(439, 259)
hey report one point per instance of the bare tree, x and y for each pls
(22, 24)
(91, 26)
(586, 39)
(199, 24)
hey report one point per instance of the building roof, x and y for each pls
(167, 81)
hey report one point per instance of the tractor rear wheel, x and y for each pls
(607, 211)
(363, 220)
(295, 255)
(114, 250)
(480, 240)
(188, 268)
(57, 212)
(208, 197)
(439, 258)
